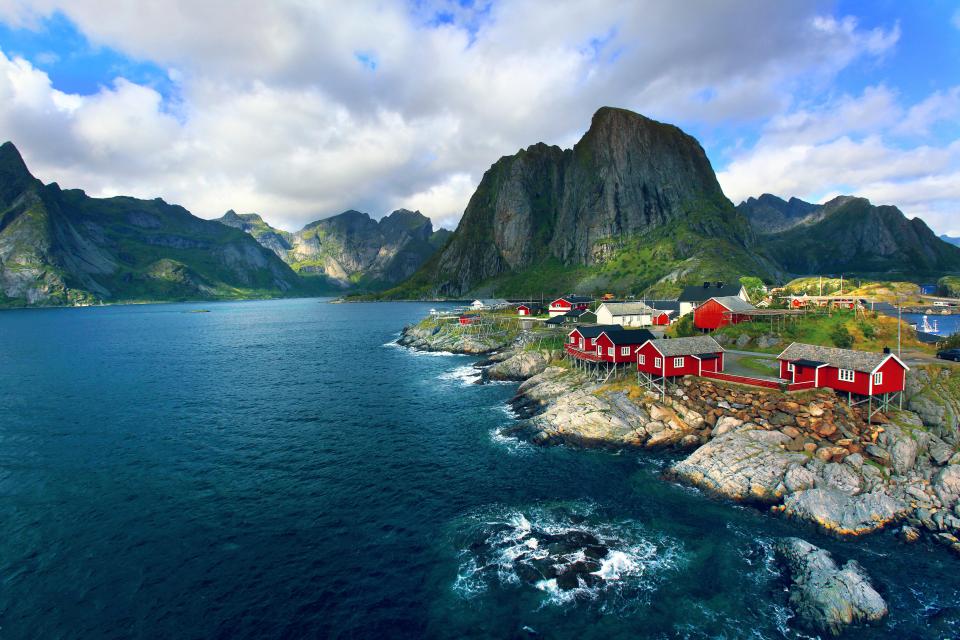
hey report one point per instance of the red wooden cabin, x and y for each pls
(469, 319)
(861, 372)
(568, 303)
(669, 358)
(721, 311)
(581, 342)
(661, 319)
(529, 309)
(619, 345)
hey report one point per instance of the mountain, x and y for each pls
(770, 214)
(951, 240)
(851, 235)
(634, 205)
(63, 247)
(351, 249)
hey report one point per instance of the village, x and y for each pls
(664, 341)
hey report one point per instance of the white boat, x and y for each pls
(927, 327)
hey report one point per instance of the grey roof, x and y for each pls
(863, 361)
(734, 303)
(593, 330)
(629, 336)
(664, 305)
(696, 345)
(556, 320)
(626, 308)
(576, 313)
(702, 293)
(492, 302)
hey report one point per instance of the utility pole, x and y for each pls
(899, 323)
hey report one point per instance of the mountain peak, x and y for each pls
(14, 174)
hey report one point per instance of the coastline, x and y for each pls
(808, 457)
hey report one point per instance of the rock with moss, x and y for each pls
(826, 597)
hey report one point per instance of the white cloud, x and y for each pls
(274, 112)
(857, 145)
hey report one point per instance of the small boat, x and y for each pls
(927, 327)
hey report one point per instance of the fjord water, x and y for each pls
(277, 469)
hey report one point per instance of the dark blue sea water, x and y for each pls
(945, 325)
(277, 470)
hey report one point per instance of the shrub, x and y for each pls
(841, 337)
(869, 331)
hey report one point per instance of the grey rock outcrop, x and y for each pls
(826, 597)
(839, 511)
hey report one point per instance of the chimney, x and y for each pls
(886, 350)
(706, 285)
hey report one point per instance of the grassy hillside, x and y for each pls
(881, 291)
(842, 329)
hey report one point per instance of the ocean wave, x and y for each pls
(512, 444)
(566, 553)
(465, 375)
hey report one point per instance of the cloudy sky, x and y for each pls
(300, 109)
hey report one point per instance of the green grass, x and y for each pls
(763, 366)
(869, 333)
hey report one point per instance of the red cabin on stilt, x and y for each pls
(719, 312)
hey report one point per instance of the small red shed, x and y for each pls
(861, 372)
(671, 357)
(721, 311)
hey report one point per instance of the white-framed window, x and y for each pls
(790, 367)
(878, 377)
(625, 351)
(573, 339)
(610, 351)
(643, 359)
(599, 351)
(581, 343)
(658, 362)
(678, 363)
(846, 375)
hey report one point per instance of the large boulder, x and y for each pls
(747, 464)
(946, 484)
(827, 598)
(520, 366)
(838, 511)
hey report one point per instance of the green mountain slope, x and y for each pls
(63, 247)
(633, 206)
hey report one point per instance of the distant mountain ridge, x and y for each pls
(351, 249)
(848, 235)
(634, 205)
(62, 247)
(951, 240)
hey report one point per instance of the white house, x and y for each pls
(485, 304)
(626, 314)
(692, 297)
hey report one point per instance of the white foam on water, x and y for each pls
(465, 375)
(513, 445)
(635, 562)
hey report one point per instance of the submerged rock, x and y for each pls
(825, 597)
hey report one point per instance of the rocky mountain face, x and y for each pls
(851, 235)
(631, 203)
(351, 249)
(770, 214)
(63, 247)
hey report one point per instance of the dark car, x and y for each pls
(949, 354)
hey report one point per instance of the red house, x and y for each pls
(469, 318)
(529, 309)
(661, 318)
(581, 342)
(860, 372)
(619, 345)
(669, 358)
(568, 303)
(721, 311)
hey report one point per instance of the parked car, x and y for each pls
(949, 354)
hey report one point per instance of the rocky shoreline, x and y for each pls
(807, 456)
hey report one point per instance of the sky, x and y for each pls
(300, 109)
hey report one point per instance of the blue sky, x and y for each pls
(300, 112)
